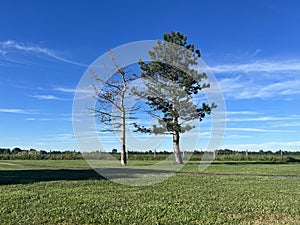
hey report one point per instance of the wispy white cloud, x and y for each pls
(288, 87)
(81, 93)
(247, 129)
(18, 111)
(73, 90)
(293, 121)
(50, 118)
(6, 47)
(236, 136)
(242, 113)
(58, 138)
(11, 110)
(259, 79)
(239, 87)
(259, 66)
(249, 118)
(258, 119)
(66, 90)
(38, 119)
(65, 137)
(287, 124)
(47, 97)
(3, 53)
(257, 51)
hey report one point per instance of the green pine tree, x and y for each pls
(171, 82)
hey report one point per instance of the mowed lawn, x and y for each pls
(69, 192)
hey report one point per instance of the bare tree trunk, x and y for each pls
(123, 111)
(177, 153)
(123, 139)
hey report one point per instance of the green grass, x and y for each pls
(42, 192)
(247, 168)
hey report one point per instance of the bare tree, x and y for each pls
(111, 95)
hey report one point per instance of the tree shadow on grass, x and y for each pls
(32, 176)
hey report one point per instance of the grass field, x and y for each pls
(69, 192)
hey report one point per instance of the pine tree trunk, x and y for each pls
(177, 153)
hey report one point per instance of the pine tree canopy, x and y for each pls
(172, 82)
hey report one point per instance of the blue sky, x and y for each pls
(252, 47)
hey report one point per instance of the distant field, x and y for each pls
(69, 192)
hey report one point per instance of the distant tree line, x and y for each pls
(17, 153)
(196, 155)
(261, 155)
